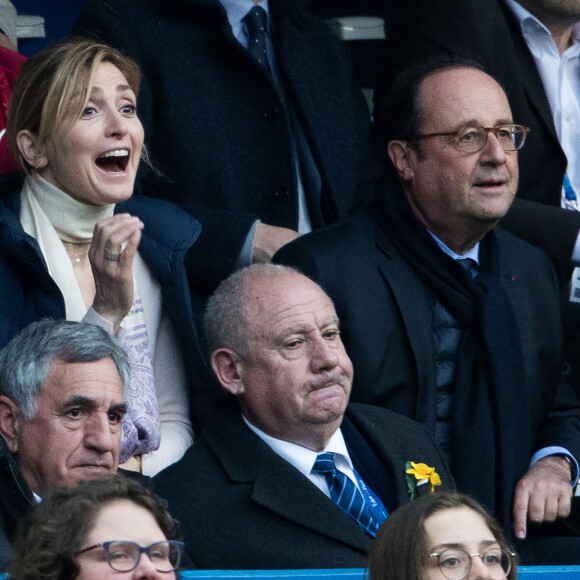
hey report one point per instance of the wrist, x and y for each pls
(565, 460)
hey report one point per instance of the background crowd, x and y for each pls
(224, 276)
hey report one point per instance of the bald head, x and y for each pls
(226, 314)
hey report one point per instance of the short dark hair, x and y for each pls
(400, 546)
(25, 361)
(57, 528)
(397, 114)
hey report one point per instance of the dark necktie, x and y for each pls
(345, 494)
(257, 22)
(468, 264)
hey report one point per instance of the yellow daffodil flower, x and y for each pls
(423, 473)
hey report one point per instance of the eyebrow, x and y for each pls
(484, 543)
(330, 322)
(477, 123)
(120, 408)
(79, 401)
(88, 403)
(119, 89)
(302, 329)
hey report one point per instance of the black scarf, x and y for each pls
(490, 394)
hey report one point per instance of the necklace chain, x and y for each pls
(76, 257)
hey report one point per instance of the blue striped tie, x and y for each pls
(345, 494)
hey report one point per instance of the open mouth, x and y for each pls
(115, 161)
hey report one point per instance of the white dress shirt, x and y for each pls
(560, 74)
(303, 459)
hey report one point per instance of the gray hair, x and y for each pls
(25, 361)
(226, 314)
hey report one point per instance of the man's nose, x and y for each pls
(492, 151)
(100, 434)
(324, 355)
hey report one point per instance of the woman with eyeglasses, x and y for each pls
(442, 536)
(107, 528)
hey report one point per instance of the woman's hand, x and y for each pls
(134, 463)
(117, 236)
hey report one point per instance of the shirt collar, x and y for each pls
(534, 29)
(473, 253)
(525, 18)
(300, 457)
(237, 9)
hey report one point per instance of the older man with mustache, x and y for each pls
(267, 484)
(452, 321)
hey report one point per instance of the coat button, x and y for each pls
(271, 113)
(282, 193)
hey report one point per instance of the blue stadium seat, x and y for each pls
(524, 573)
(342, 574)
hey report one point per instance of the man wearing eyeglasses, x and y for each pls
(450, 320)
(532, 47)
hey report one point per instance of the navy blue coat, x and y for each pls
(386, 325)
(217, 127)
(28, 293)
(242, 506)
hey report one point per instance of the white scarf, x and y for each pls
(50, 215)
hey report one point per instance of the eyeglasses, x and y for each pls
(455, 563)
(124, 556)
(473, 139)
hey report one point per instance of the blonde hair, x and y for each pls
(54, 86)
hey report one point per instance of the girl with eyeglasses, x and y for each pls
(442, 536)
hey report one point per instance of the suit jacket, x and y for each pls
(490, 35)
(387, 330)
(217, 126)
(242, 506)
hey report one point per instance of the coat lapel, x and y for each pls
(409, 294)
(390, 437)
(277, 485)
(282, 489)
(530, 76)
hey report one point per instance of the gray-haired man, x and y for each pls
(62, 399)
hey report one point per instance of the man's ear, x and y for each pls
(31, 149)
(228, 367)
(399, 153)
(10, 422)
